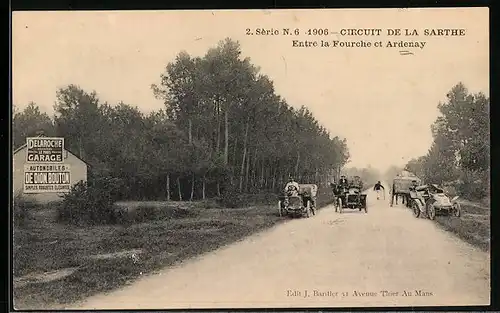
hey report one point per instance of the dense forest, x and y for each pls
(460, 153)
(223, 128)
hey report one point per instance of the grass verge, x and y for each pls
(473, 226)
(164, 233)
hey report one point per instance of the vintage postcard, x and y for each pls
(251, 158)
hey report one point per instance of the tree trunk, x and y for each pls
(246, 173)
(256, 159)
(226, 135)
(203, 188)
(262, 175)
(190, 131)
(254, 165)
(192, 187)
(168, 187)
(245, 139)
(274, 180)
(297, 165)
(235, 152)
(179, 188)
(276, 174)
(217, 147)
(267, 177)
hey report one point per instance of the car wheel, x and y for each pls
(431, 212)
(416, 209)
(456, 210)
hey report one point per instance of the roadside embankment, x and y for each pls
(472, 226)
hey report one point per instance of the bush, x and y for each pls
(92, 203)
(22, 208)
(474, 185)
(231, 197)
(473, 190)
(147, 212)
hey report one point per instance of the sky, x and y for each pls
(382, 102)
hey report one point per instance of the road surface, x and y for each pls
(341, 260)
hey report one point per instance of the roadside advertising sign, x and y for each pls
(41, 178)
(45, 150)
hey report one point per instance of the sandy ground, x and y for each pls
(329, 260)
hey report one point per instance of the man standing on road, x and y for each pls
(393, 194)
(413, 193)
(377, 188)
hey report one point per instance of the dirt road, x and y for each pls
(347, 259)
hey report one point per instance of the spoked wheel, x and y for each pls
(431, 212)
(415, 208)
(456, 210)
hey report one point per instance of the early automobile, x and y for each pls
(350, 197)
(431, 200)
(301, 203)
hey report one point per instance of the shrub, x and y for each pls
(231, 197)
(92, 203)
(473, 190)
(143, 213)
(147, 212)
(22, 207)
(474, 185)
(209, 204)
